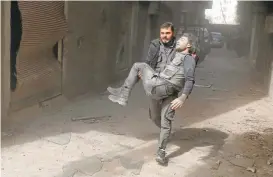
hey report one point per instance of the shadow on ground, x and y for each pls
(132, 159)
(246, 155)
(232, 88)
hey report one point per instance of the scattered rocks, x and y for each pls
(251, 169)
(238, 156)
(216, 165)
(255, 155)
(270, 161)
(253, 136)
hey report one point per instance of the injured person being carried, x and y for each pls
(178, 76)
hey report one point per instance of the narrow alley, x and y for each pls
(225, 129)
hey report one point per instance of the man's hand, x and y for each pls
(139, 75)
(177, 103)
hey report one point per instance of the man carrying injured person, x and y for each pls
(162, 87)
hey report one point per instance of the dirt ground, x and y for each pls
(225, 129)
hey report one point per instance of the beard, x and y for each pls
(164, 40)
(168, 42)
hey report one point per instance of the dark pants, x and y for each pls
(162, 115)
(160, 101)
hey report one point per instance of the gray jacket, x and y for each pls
(188, 67)
(153, 53)
(174, 71)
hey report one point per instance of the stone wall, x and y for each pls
(105, 39)
(262, 45)
(98, 37)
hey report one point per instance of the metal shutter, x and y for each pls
(43, 24)
(38, 72)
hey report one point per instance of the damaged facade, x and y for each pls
(102, 41)
(261, 40)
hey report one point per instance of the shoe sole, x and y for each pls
(116, 100)
(109, 90)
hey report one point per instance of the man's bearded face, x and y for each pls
(166, 34)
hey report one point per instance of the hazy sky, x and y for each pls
(222, 12)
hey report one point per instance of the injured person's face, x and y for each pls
(182, 43)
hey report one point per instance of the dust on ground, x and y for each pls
(224, 130)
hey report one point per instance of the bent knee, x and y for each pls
(139, 64)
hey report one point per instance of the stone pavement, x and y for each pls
(226, 120)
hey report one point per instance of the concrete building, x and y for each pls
(261, 42)
(102, 42)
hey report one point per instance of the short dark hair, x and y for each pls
(167, 25)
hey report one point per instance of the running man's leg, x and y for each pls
(167, 117)
(155, 111)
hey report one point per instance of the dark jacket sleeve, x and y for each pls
(152, 55)
(189, 69)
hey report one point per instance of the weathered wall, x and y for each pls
(170, 11)
(141, 27)
(262, 51)
(96, 30)
(167, 12)
(269, 62)
(244, 13)
(5, 58)
(104, 39)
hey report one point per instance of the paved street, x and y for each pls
(225, 129)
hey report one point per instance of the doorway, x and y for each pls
(39, 56)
